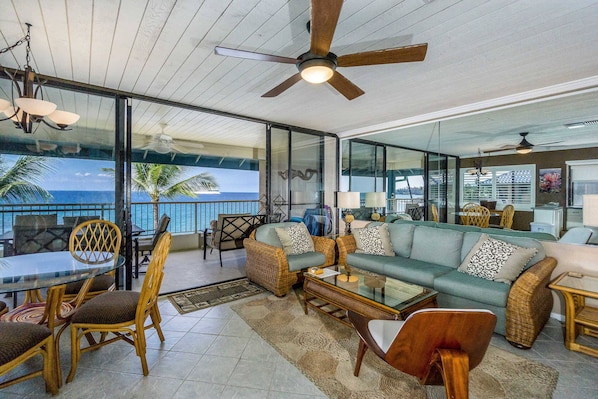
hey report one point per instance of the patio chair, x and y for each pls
(20, 342)
(122, 313)
(438, 346)
(76, 220)
(229, 232)
(145, 246)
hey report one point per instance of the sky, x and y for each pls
(87, 175)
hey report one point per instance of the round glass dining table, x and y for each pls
(47, 269)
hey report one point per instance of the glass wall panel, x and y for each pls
(279, 167)
(405, 172)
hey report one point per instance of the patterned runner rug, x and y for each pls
(324, 350)
(212, 295)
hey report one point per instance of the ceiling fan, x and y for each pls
(524, 147)
(318, 65)
(163, 143)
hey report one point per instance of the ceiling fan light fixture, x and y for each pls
(316, 70)
(523, 150)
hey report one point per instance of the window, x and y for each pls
(513, 184)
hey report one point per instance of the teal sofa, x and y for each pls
(429, 253)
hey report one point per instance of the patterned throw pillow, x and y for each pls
(295, 239)
(496, 260)
(373, 240)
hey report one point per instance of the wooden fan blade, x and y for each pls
(283, 86)
(413, 53)
(324, 17)
(345, 86)
(230, 52)
(504, 148)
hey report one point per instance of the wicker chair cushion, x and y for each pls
(18, 338)
(100, 283)
(303, 261)
(109, 308)
(32, 312)
(2, 306)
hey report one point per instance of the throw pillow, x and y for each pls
(373, 240)
(496, 260)
(295, 239)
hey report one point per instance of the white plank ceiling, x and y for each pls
(481, 54)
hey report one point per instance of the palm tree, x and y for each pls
(168, 181)
(19, 183)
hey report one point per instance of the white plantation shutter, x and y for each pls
(515, 184)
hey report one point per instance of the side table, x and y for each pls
(579, 318)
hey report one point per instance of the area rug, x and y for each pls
(212, 295)
(324, 350)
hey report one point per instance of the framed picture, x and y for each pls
(550, 180)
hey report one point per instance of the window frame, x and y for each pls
(492, 170)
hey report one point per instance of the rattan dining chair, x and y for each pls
(434, 210)
(464, 208)
(478, 216)
(20, 342)
(94, 241)
(438, 346)
(506, 218)
(122, 313)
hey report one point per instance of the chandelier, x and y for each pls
(29, 109)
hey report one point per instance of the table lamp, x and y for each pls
(590, 210)
(347, 201)
(375, 200)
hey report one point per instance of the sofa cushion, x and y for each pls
(401, 237)
(438, 246)
(474, 288)
(267, 233)
(305, 260)
(367, 262)
(459, 227)
(413, 271)
(295, 239)
(496, 260)
(373, 240)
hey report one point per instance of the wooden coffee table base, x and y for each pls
(334, 302)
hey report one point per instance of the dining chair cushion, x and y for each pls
(496, 260)
(99, 283)
(18, 338)
(32, 312)
(108, 308)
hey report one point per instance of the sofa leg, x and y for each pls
(518, 345)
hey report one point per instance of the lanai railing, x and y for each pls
(186, 217)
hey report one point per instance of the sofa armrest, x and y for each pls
(346, 245)
(529, 304)
(327, 247)
(267, 266)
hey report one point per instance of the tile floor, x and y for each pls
(213, 354)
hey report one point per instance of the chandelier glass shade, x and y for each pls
(29, 109)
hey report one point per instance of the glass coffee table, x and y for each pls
(374, 296)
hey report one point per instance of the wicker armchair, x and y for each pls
(267, 265)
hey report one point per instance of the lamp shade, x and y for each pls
(63, 118)
(375, 200)
(590, 210)
(348, 199)
(33, 106)
(4, 105)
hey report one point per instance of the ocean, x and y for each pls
(187, 214)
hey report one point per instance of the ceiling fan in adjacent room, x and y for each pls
(524, 147)
(318, 65)
(163, 143)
